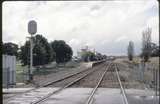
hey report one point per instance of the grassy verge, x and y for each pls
(55, 68)
(149, 71)
(20, 71)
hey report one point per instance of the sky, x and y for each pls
(106, 26)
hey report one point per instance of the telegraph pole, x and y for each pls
(32, 29)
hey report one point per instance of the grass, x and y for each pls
(44, 71)
(20, 70)
(137, 60)
(148, 73)
(152, 61)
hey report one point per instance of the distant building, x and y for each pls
(82, 51)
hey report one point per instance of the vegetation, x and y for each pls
(130, 50)
(154, 50)
(10, 49)
(146, 44)
(99, 56)
(21, 72)
(91, 56)
(149, 49)
(88, 56)
(63, 51)
(42, 52)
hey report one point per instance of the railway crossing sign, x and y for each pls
(32, 27)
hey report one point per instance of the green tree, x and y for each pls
(10, 49)
(92, 56)
(49, 52)
(63, 51)
(25, 53)
(42, 52)
(130, 50)
(88, 56)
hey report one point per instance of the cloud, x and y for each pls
(153, 22)
(74, 42)
(121, 39)
(99, 24)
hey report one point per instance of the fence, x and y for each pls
(9, 70)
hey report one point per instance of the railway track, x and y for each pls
(91, 80)
(42, 100)
(69, 76)
(70, 79)
(101, 75)
(96, 87)
(121, 86)
(110, 79)
(52, 82)
(41, 97)
(110, 73)
(90, 98)
(66, 85)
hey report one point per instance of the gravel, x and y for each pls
(110, 79)
(91, 80)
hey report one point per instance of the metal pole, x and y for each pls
(32, 29)
(156, 83)
(31, 60)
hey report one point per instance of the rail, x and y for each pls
(94, 90)
(49, 83)
(122, 89)
(39, 101)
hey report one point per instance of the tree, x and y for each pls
(104, 56)
(42, 52)
(50, 54)
(99, 56)
(146, 44)
(92, 56)
(130, 50)
(88, 56)
(25, 53)
(10, 49)
(63, 51)
(154, 50)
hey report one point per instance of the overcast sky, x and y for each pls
(107, 26)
